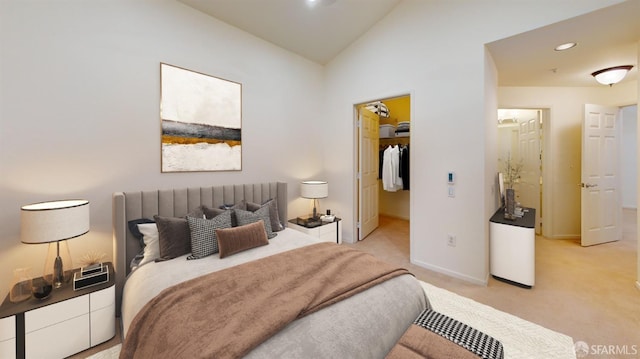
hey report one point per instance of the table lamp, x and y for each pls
(314, 190)
(55, 221)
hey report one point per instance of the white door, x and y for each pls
(368, 162)
(601, 209)
(528, 188)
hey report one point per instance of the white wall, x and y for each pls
(629, 157)
(563, 162)
(435, 50)
(79, 109)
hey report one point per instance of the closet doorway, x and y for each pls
(380, 125)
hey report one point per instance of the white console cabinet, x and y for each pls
(64, 324)
(512, 248)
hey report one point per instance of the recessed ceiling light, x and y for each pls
(566, 46)
(320, 2)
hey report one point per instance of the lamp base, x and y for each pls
(56, 268)
(58, 272)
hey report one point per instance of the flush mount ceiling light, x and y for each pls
(566, 46)
(611, 75)
(313, 3)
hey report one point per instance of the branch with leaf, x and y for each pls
(512, 171)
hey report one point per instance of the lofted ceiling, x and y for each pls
(317, 30)
(320, 30)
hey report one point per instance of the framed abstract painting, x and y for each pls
(201, 120)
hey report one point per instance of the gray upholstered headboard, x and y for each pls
(177, 203)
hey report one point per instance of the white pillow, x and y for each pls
(151, 242)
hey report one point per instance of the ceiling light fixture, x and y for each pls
(611, 75)
(566, 46)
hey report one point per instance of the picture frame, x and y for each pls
(201, 121)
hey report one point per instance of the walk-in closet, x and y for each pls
(393, 171)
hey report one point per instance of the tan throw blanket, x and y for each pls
(225, 314)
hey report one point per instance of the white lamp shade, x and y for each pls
(54, 221)
(314, 189)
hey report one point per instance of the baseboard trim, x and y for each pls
(451, 273)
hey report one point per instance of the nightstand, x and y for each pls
(326, 232)
(65, 323)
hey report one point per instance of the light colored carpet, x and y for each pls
(521, 339)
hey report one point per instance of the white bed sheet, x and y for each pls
(150, 279)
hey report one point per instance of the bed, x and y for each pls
(177, 301)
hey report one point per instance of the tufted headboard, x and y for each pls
(177, 203)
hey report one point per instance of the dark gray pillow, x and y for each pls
(203, 234)
(210, 212)
(245, 217)
(174, 237)
(274, 218)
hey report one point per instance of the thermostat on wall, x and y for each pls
(451, 177)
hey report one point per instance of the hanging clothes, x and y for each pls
(391, 180)
(404, 166)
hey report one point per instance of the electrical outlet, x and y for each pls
(451, 240)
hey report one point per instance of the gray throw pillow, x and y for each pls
(274, 218)
(245, 217)
(203, 234)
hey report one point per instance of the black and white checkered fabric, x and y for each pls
(203, 234)
(471, 339)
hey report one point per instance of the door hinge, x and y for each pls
(358, 123)
(358, 225)
(358, 175)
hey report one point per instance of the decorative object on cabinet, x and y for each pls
(89, 276)
(612, 75)
(314, 190)
(92, 257)
(511, 175)
(56, 221)
(21, 285)
(201, 121)
(41, 288)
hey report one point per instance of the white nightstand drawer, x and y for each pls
(103, 298)
(103, 324)
(46, 342)
(328, 228)
(7, 329)
(55, 313)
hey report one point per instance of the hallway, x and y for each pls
(587, 293)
